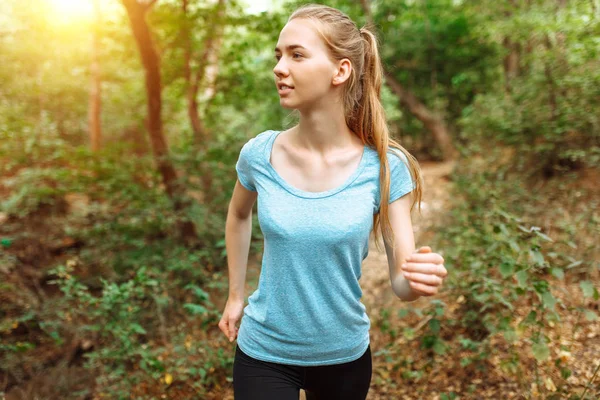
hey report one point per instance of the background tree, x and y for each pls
(432, 122)
(95, 106)
(136, 11)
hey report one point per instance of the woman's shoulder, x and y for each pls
(394, 156)
(259, 139)
(256, 143)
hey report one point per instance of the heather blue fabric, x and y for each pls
(307, 309)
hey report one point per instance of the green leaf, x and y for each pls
(572, 244)
(408, 333)
(530, 319)
(515, 246)
(503, 300)
(590, 315)
(540, 286)
(522, 277)
(543, 236)
(434, 325)
(501, 228)
(511, 335)
(24, 346)
(507, 268)
(540, 351)
(587, 287)
(202, 372)
(199, 292)
(417, 312)
(6, 242)
(548, 300)
(56, 336)
(439, 347)
(558, 272)
(565, 373)
(536, 256)
(465, 361)
(523, 229)
(574, 264)
(137, 328)
(195, 309)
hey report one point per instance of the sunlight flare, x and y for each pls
(72, 11)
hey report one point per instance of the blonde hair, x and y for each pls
(364, 112)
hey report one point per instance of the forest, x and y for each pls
(120, 125)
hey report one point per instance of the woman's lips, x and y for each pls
(285, 91)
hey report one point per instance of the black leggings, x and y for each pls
(261, 380)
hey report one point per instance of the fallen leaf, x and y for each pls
(549, 384)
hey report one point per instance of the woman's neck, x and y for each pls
(322, 131)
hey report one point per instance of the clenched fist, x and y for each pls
(424, 271)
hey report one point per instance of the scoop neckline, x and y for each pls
(303, 193)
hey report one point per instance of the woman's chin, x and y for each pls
(285, 103)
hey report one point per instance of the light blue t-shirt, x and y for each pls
(306, 309)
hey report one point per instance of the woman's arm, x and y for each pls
(238, 231)
(412, 274)
(399, 215)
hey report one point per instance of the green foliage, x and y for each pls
(116, 317)
(499, 266)
(124, 319)
(548, 114)
(436, 51)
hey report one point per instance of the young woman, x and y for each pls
(322, 187)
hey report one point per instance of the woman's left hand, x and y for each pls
(424, 271)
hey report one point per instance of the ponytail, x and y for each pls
(370, 123)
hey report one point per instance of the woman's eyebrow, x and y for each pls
(292, 47)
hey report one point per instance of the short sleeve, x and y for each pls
(244, 166)
(401, 181)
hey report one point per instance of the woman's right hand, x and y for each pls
(232, 314)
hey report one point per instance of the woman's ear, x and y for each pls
(342, 72)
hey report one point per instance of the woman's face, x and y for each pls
(303, 63)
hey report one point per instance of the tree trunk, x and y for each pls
(511, 62)
(198, 129)
(204, 72)
(560, 66)
(211, 69)
(95, 101)
(137, 17)
(432, 122)
(551, 82)
(204, 76)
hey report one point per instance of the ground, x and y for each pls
(401, 369)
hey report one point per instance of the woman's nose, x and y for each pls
(280, 68)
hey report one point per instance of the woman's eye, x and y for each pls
(296, 55)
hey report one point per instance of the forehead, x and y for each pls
(300, 32)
